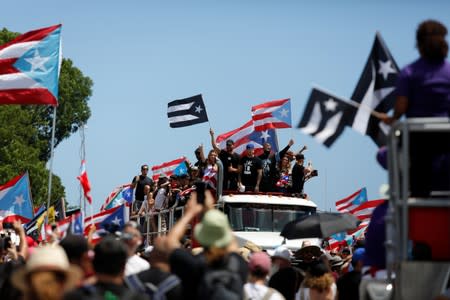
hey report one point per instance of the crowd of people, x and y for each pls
(118, 267)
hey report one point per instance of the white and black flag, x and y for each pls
(186, 112)
(325, 116)
(374, 91)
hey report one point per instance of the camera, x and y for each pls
(314, 173)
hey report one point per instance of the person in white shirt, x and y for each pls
(132, 238)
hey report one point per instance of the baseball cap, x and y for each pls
(299, 156)
(261, 261)
(358, 255)
(280, 252)
(230, 142)
(250, 146)
(213, 230)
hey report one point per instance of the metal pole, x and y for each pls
(50, 167)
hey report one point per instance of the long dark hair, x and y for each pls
(430, 37)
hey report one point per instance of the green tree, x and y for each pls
(25, 133)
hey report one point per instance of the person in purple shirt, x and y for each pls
(423, 90)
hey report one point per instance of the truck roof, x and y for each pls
(267, 199)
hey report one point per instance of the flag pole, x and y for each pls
(50, 173)
(353, 103)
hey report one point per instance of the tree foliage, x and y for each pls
(25, 132)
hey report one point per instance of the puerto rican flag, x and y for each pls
(30, 66)
(245, 135)
(118, 196)
(84, 181)
(71, 225)
(272, 114)
(15, 200)
(353, 201)
(174, 167)
(210, 177)
(363, 212)
(106, 221)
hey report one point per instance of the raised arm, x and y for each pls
(213, 141)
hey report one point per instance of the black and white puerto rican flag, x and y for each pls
(186, 112)
(325, 116)
(374, 91)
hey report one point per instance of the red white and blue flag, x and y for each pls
(272, 114)
(110, 220)
(120, 195)
(174, 167)
(71, 225)
(245, 135)
(84, 181)
(30, 66)
(210, 177)
(351, 202)
(15, 200)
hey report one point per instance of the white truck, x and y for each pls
(259, 218)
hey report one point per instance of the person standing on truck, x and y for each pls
(423, 90)
(141, 185)
(250, 171)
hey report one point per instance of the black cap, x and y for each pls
(299, 156)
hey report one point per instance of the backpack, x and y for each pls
(222, 284)
(156, 292)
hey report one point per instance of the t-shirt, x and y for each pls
(259, 291)
(102, 290)
(136, 264)
(298, 178)
(140, 183)
(269, 163)
(227, 160)
(250, 167)
(161, 199)
(427, 86)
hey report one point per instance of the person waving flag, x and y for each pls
(30, 66)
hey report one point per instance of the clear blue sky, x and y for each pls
(143, 54)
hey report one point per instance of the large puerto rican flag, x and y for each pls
(120, 195)
(15, 200)
(245, 135)
(351, 202)
(30, 66)
(272, 114)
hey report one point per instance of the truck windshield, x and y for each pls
(263, 217)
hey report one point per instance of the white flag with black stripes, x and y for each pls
(325, 116)
(186, 112)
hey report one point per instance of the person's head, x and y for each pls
(430, 38)
(259, 265)
(318, 277)
(308, 253)
(194, 172)
(47, 274)
(197, 153)
(229, 146)
(358, 258)
(131, 236)
(281, 257)
(285, 161)
(214, 233)
(144, 170)
(300, 159)
(110, 257)
(250, 150)
(267, 148)
(212, 157)
(77, 251)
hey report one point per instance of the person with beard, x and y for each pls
(230, 161)
(269, 166)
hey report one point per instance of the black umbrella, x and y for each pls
(320, 225)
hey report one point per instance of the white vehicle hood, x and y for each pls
(271, 240)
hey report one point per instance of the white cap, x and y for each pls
(281, 252)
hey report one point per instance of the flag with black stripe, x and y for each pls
(325, 116)
(374, 91)
(32, 228)
(187, 112)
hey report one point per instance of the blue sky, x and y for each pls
(143, 54)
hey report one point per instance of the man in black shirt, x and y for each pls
(230, 161)
(141, 185)
(250, 170)
(299, 173)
